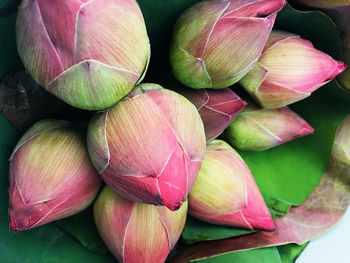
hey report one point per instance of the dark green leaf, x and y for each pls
(8, 51)
(82, 227)
(289, 253)
(196, 230)
(262, 255)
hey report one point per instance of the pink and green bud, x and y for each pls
(341, 148)
(289, 70)
(149, 147)
(215, 43)
(217, 108)
(225, 191)
(136, 232)
(90, 54)
(257, 129)
(51, 175)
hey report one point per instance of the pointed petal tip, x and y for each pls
(266, 224)
(14, 227)
(262, 222)
(339, 69)
(306, 130)
(19, 223)
(172, 206)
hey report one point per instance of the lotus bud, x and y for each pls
(289, 70)
(90, 54)
(257, 129)
(136, 232)
(149, 147)
(51, 175)
(340, 159)
(225, 191)
(217, 108)
(215, 43)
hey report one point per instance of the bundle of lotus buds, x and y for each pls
(154, 146)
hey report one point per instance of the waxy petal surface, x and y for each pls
(137, 232)
(217, 108)
(32, 174)
(35, 48)
(217, 189)
(183, 120)
(227, 35)
(138, 149)
(145, 226)
(149, 147)
(59, 19)
(225, 191)
(92, 85)
(203, 15)
(127, 48)
(191, 70)
(221, 109)
(297, 65)
(256, 129)
(112, 215)
(97, 135)
(205, 32)
(51, 176)
(173, 227)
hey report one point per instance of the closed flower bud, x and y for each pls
(225, 191)
(289, 70)
(51, 175)
(88, 53)
(257, 129)
(136, 232)
(150, 146)
(217, 108)
(341, 149)
(215, 43)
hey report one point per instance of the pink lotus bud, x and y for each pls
(257, 129)
(225, 192)
(217, 42)
(150, 146)
(217, 108)
(88, 53)
(289, 70)
(136, 232)
(51, 175)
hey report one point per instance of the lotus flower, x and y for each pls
(225, 192)
(217, 108)
(217, 42)
(88, 53)
(341, 149)
(289, 70)
(51, 175)
(257, 129)
(136, 232)
(149, 147)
